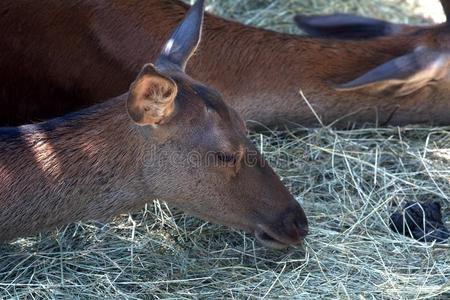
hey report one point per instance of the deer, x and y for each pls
(117, 155)
(86, 51)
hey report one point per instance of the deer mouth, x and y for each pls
(270, 240)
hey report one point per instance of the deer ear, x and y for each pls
(446, 6)
(184, 39)
(403, 75)
(344, 26)
(151, 99)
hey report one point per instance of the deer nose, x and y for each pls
(296, 225)
(290, 229)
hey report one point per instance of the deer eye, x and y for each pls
(226, 158)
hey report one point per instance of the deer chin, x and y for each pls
(270, 241)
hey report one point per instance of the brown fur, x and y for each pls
(59, 56)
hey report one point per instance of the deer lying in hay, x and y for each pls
(179, 142)
(59, 56)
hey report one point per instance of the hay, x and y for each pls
(347, 181)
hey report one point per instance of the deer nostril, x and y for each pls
(302, 228)
(296, 224)
(301, 222)
(289, 228)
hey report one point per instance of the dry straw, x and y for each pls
(347, 181)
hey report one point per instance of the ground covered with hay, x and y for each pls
(348, 182)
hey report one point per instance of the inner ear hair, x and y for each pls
(151, 99)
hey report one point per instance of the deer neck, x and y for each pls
(83, 166)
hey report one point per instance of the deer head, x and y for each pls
(198, 148)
